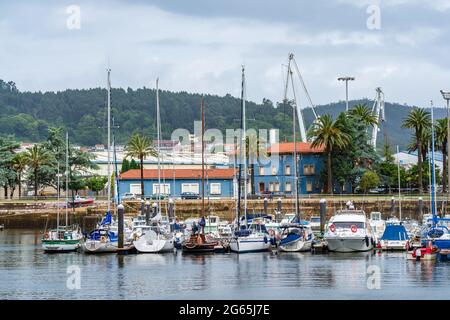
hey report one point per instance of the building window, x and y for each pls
(215, 188)
(163, 188)
(308, 169)
(288, 187)
(270, 186)
(277, 187)
(261, 171)
(287, 170)
(309, 186)
(135, 188)
(190, 187)
(274, 170)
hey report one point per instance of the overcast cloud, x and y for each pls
(200, 45)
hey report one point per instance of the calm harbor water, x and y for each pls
(27, 273)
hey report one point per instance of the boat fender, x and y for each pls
(46, 235)
(265, 239)
(407, 246)
(367, 241)
(372, 242)
(103, 239)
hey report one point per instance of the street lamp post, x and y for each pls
(346, 79)
(446, 96)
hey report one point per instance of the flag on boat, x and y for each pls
(107, 220)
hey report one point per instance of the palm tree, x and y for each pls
(256, 151)
(441, 140)
(36, 157)
(418, 120)
(19, 163)
(330, 134)
(140, 147)
(364, 114)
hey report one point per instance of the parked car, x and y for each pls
(129, 196)
(155, 197)
(190, 195)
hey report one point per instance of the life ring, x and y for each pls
(332, 228)
(103, 239)
(353, 228)
(46, 236)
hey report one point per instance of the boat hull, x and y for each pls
(296, 246)
(350, 244)
(199, 244)
(399, 245)
(249, 244)
(154, 246)
(60, 245)
(95, 246)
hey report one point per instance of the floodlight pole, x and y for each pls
(346, 79)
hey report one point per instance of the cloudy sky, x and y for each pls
(200, 45)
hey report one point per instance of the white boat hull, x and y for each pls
(95, 246)
(393, 245)
(143, 245)
(58, 246)
(349, 244)
(297, 246)
(250, 244)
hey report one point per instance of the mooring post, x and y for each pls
(120, 214)
(266, 204)
(171, 211)
(155, 209)
(147, 212)
(279, 203)
(323, 214)
(142, 207)
(392, 206)
(420, 207)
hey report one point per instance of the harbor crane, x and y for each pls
(378, 111)
(290, 79)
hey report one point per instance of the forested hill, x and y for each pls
(27, 115)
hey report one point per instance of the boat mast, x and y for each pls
(116, 172)
(203, 156)
(238, 211)
(294, 116)
(433, 170)
(67, 178)
(109, 139)
(399, 185)
(57, 194)
(158, 129)
(244, 144)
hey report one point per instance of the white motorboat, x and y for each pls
(349, 231)
(296, 237)
(154, 241)
(395, 237)
(314, 223)
(287, 218)
(377, 224)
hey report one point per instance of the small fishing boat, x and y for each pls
(349, 231)
(198, 243)
(80, 201)
(424, 253)
(395, 237)
(65, 238)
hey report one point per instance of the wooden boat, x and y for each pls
(197, 243)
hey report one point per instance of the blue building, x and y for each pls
(218, 182)
(277, 175)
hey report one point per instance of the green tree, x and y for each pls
(37, 156)
(96, 183)
(134, 165)
(8, 176)
(419, 121)
(330, 134)
(140, 147)
(19, 163)
(125, 165)
(362, 113)
(369, 180)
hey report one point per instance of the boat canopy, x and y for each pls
(107, 220)
(395, 232)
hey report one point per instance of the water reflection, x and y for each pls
(26, 272)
